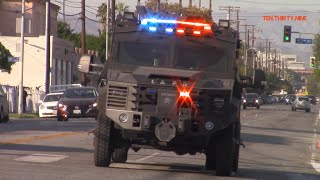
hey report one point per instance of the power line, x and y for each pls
(94, 20)
(270, 3)
(69, 14)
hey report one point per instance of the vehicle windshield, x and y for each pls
(144, 54)
(251, 96)
(183, 55)
(52, 97)
(80, 93)
(303, 99)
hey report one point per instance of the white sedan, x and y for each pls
(48, 107)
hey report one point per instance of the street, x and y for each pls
(279, 144)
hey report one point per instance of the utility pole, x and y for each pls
(64, 10)
(83, 37)
(138, 3)
(190, 3)
(252, 49)
(108, 28)
(20, 108)
(229, 9)
(245, 50)
(48, 14)
(180, 3)
(210, 5)
(199, 4)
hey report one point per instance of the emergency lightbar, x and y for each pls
(179, 27)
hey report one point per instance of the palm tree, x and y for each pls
(120, 7)
(102, 14)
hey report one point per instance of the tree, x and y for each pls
(65, 32)
(121, 7)
(4, 59)
(177, 8)
(102, 14)
(313, 82)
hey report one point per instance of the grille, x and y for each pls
(52, 107)
(117, 97)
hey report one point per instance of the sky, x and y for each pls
(251, 11)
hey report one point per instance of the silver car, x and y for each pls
(302, 102)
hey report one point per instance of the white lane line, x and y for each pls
(316, 122)
(315, 165)
(41, 158)
(147, 157)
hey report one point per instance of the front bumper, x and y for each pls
(72, 112)
(47, 112)
(180, 124)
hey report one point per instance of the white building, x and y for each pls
(62, 60)
(291, 62)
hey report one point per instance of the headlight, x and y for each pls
(41, 106)
(94, 104)
(257, 101)
(244, 101)
(123, 118)
(62, 106)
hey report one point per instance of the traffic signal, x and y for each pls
(287, 34)
(312, 62)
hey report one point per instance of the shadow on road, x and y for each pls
(262, 174)
(243, 173)
(73, 125)
(265, 139)
(29, 147)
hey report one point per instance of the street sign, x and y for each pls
(304, 41)
(13, 59)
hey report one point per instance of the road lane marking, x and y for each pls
(147, 157)
(34, 138)
(315, 165)
(41, 158)
(316, 122)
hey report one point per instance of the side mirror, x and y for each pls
(40, 102)
(259, 79)
(84, 63)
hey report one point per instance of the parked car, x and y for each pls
(288, 98)
(302, 103)
(48, 106)
(267, 99)
(251, 100)
(313, 100)
(77, 102)
(4, 106)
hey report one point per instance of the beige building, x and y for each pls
(63, 60)
(35, 21)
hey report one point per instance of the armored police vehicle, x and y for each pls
(170, 83)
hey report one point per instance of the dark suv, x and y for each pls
(251, 100)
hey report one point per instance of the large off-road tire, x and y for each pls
(237, 146)
(211, 154)
(225, 146)
(120, 155)
(103, 141)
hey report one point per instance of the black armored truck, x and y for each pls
(170, 83)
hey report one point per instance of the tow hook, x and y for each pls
(239, 142)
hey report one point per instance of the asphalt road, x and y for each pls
(280, 144)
